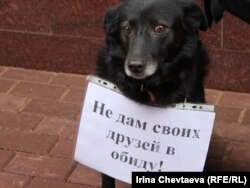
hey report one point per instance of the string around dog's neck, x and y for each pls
(186, 96)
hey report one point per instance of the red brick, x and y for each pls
(64, 148)
(39, 91)
(236, 70)
(11, 103)
(227, 114)
(54, 109)
(236, 99)
(232, 33)
(49, 52)
(212, 96)
(48, 183)
(4, 157)
(5, 85)
(241, 152)
(1, 69)
(217, 149)
(18, 121)
(69, 17)
(12, 180)
(212, 37)
(28, 142)
(85, 175)
(56, 126)
(113, 2)
(219, 165)
(75, 95)
(41, 166)
(242, 167)
(70, 131)
(28, 75)
(246, 118)
(120, 184)
(73, 80)
(25, 16)
(233, 132)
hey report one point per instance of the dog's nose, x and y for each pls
(136, 66)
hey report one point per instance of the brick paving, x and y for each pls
(39, 114)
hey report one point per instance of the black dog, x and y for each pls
(153, 53)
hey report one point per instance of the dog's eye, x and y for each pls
(159, 29)
(126, 30)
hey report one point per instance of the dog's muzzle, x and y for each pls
(139, 69)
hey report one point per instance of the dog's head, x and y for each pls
(150, 33)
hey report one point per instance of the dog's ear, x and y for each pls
(195, 17)
(111, 19)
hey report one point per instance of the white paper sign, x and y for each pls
(117, 136)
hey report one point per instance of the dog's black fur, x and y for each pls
(153, 52)
(215, 9)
